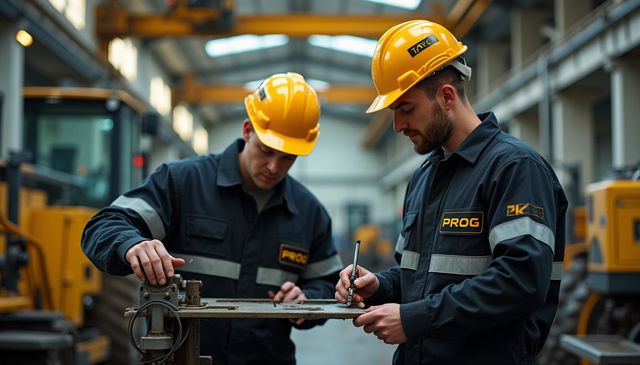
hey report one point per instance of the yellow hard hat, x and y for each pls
(409, 52)
(284, 112)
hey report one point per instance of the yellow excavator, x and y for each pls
(80, 151)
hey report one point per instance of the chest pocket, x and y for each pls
(408, 228)
(207, 235)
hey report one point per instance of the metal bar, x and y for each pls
(118, 23)
(195, 93)
(602, 349)
(265, 308)
(471, 17)
(458, 11)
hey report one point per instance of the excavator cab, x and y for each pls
(90, 137)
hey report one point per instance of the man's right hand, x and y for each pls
(366, 285)
(150, 260)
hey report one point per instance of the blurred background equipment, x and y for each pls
(599, 316)
(52, 300)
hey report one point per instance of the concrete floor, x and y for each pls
(339, 342)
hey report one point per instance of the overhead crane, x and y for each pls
(192, 91)
(182, 20)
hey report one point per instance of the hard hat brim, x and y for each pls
(384, 100)
(286, 144)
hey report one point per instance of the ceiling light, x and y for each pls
(406, 4)
(345, 43)
(24, 38)
(243, 43)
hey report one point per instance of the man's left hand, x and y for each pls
(288, 292)
(383, 321)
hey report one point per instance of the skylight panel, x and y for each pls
(318, 85)
(345, 43)
(405, 4)
(243, 43)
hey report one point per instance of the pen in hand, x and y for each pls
(354, 273)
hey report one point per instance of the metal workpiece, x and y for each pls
(265, 308)
(175, 310)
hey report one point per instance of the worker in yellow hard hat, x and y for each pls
(236, 221)
(482, 242)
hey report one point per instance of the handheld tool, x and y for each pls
(354, 273)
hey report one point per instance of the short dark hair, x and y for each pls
(448, 75)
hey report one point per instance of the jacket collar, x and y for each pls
(475, 142)
(229, 175)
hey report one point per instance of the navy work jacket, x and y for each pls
(199, 209)
(480, 254)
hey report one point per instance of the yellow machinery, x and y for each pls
(613, 238)
(46, 283)
(599, 315)
(81, 147)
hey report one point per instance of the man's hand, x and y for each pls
(366, 285)
(383, 321)
(289, 291)
(151, 260)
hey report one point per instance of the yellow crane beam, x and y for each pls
(192, 92)
(113, 21)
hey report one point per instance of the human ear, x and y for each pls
(247, 129)
(446, 96)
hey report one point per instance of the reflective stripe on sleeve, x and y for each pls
(322, 268)
(458, 265)
(474, 265)
(209, 266)
(400, 244)
(557, 270)
(409, 260)
(146, 212)
(275, 277)
(521, 227)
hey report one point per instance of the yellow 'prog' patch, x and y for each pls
(462, 222)
(293, 256)
(525, 209)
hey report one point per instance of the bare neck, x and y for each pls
(465, 121)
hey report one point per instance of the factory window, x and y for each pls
(123, 55)
(160, 96)
(405, 4)
(201, 141)
(344, 43)
(183, 122)
(244, 43)
(78, 145)
(74, 10)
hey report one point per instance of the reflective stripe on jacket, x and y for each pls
(480, 253)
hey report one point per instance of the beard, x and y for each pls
(439, 132)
